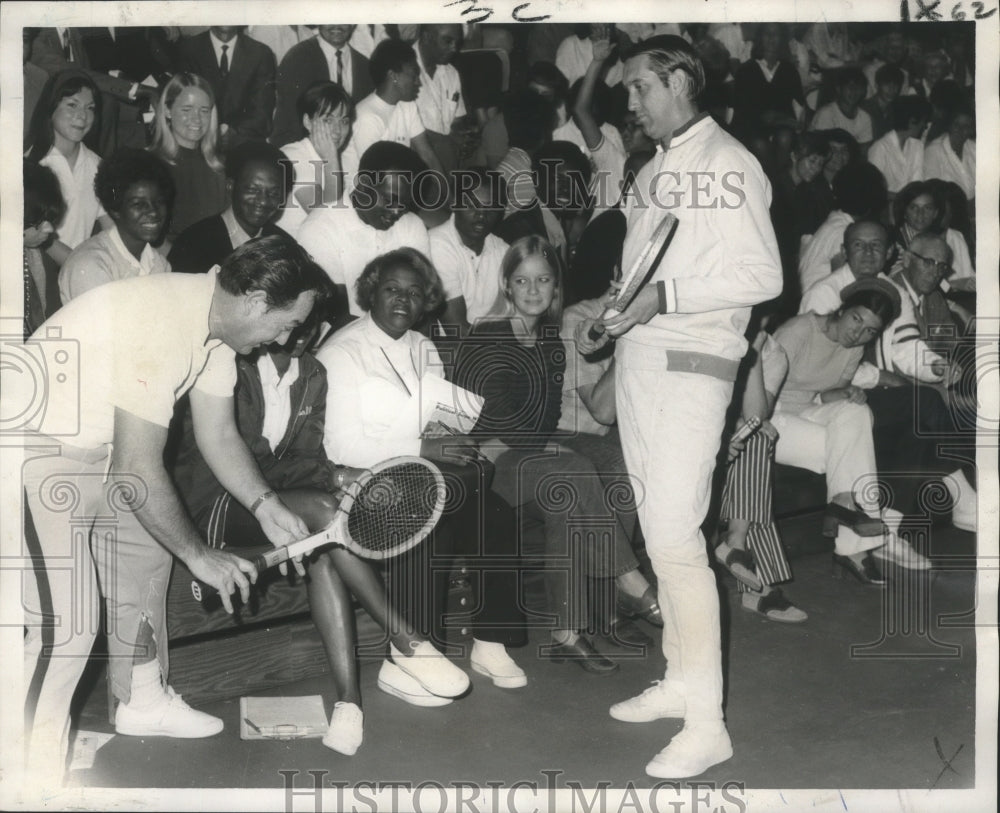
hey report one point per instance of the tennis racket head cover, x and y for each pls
(646, 263)
(392, 507)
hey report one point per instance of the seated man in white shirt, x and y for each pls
(136, 189)
(952, 155)
(390, 112)
(866, 246)
(440, 99)
(899, 154)
(918, 386)
(375, 217)
(859, 194)
(465, 252)
(845, 111)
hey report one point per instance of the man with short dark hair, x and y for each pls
(142, 343)
(258, 182)
(679, 347)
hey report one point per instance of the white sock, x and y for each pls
(147, 686)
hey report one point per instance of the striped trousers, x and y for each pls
(747, 496)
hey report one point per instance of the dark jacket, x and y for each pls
(245, 97)
(205, 244)
(299, 461)
(302, 65)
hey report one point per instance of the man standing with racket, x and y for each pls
(102, 502)
(680, 342)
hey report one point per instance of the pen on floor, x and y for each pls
(472, 449)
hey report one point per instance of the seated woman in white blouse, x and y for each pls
(65, 115)
(378, 367)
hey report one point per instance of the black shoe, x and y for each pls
(626, 633)
(857, 521)
(582, 652)
(866, 572)
(646, 607)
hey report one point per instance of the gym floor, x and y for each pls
(868, 693)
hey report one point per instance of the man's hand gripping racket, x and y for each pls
(386, 511)
(639, 272)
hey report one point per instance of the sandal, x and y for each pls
(740, 565)
(857, 521)
(774, 607)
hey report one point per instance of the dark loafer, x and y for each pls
(626, 633)
(867, 572)
(647, 608)
(582, 652)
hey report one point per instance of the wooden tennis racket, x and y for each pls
(387, 511)
(640, 271)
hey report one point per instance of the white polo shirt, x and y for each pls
(343, 244)
(440, 100)
(129, 345)
(475, 277)
(77, 186)
(377, 120)
(940, 161)
(899, 165)
(103, 258)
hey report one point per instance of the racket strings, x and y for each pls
(394, 506)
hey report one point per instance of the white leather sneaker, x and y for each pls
(393, 680)
(169, 717)
(662, 699)
(492, 659)
(431, 669)
(695, 749)
(347, 728)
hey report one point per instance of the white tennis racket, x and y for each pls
(640, 271)
(387, 511)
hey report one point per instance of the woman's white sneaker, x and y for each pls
(431, 669)
(346, 730)
(393, 680)
(491, 659)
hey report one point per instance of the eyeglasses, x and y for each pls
(942, 268)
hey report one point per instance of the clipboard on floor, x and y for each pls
(282, 718)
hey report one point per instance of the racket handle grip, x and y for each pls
(595, 332)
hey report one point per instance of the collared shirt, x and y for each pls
(77, 186)
(515, 169)
(607, 162)
(237, 235)
(276, 390)
(382, 418)
(377, 120)
(330, 52)
(899, 165)
(104, 258)
(307, 170)
(724, 256)
(941, 161)
(766, 70)
(474, 277)
(343, 244)
(440, 99)
(128, 345)
(217, 47)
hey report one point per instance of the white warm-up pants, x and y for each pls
(85, 531)
(671, 425)
(834, 439)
